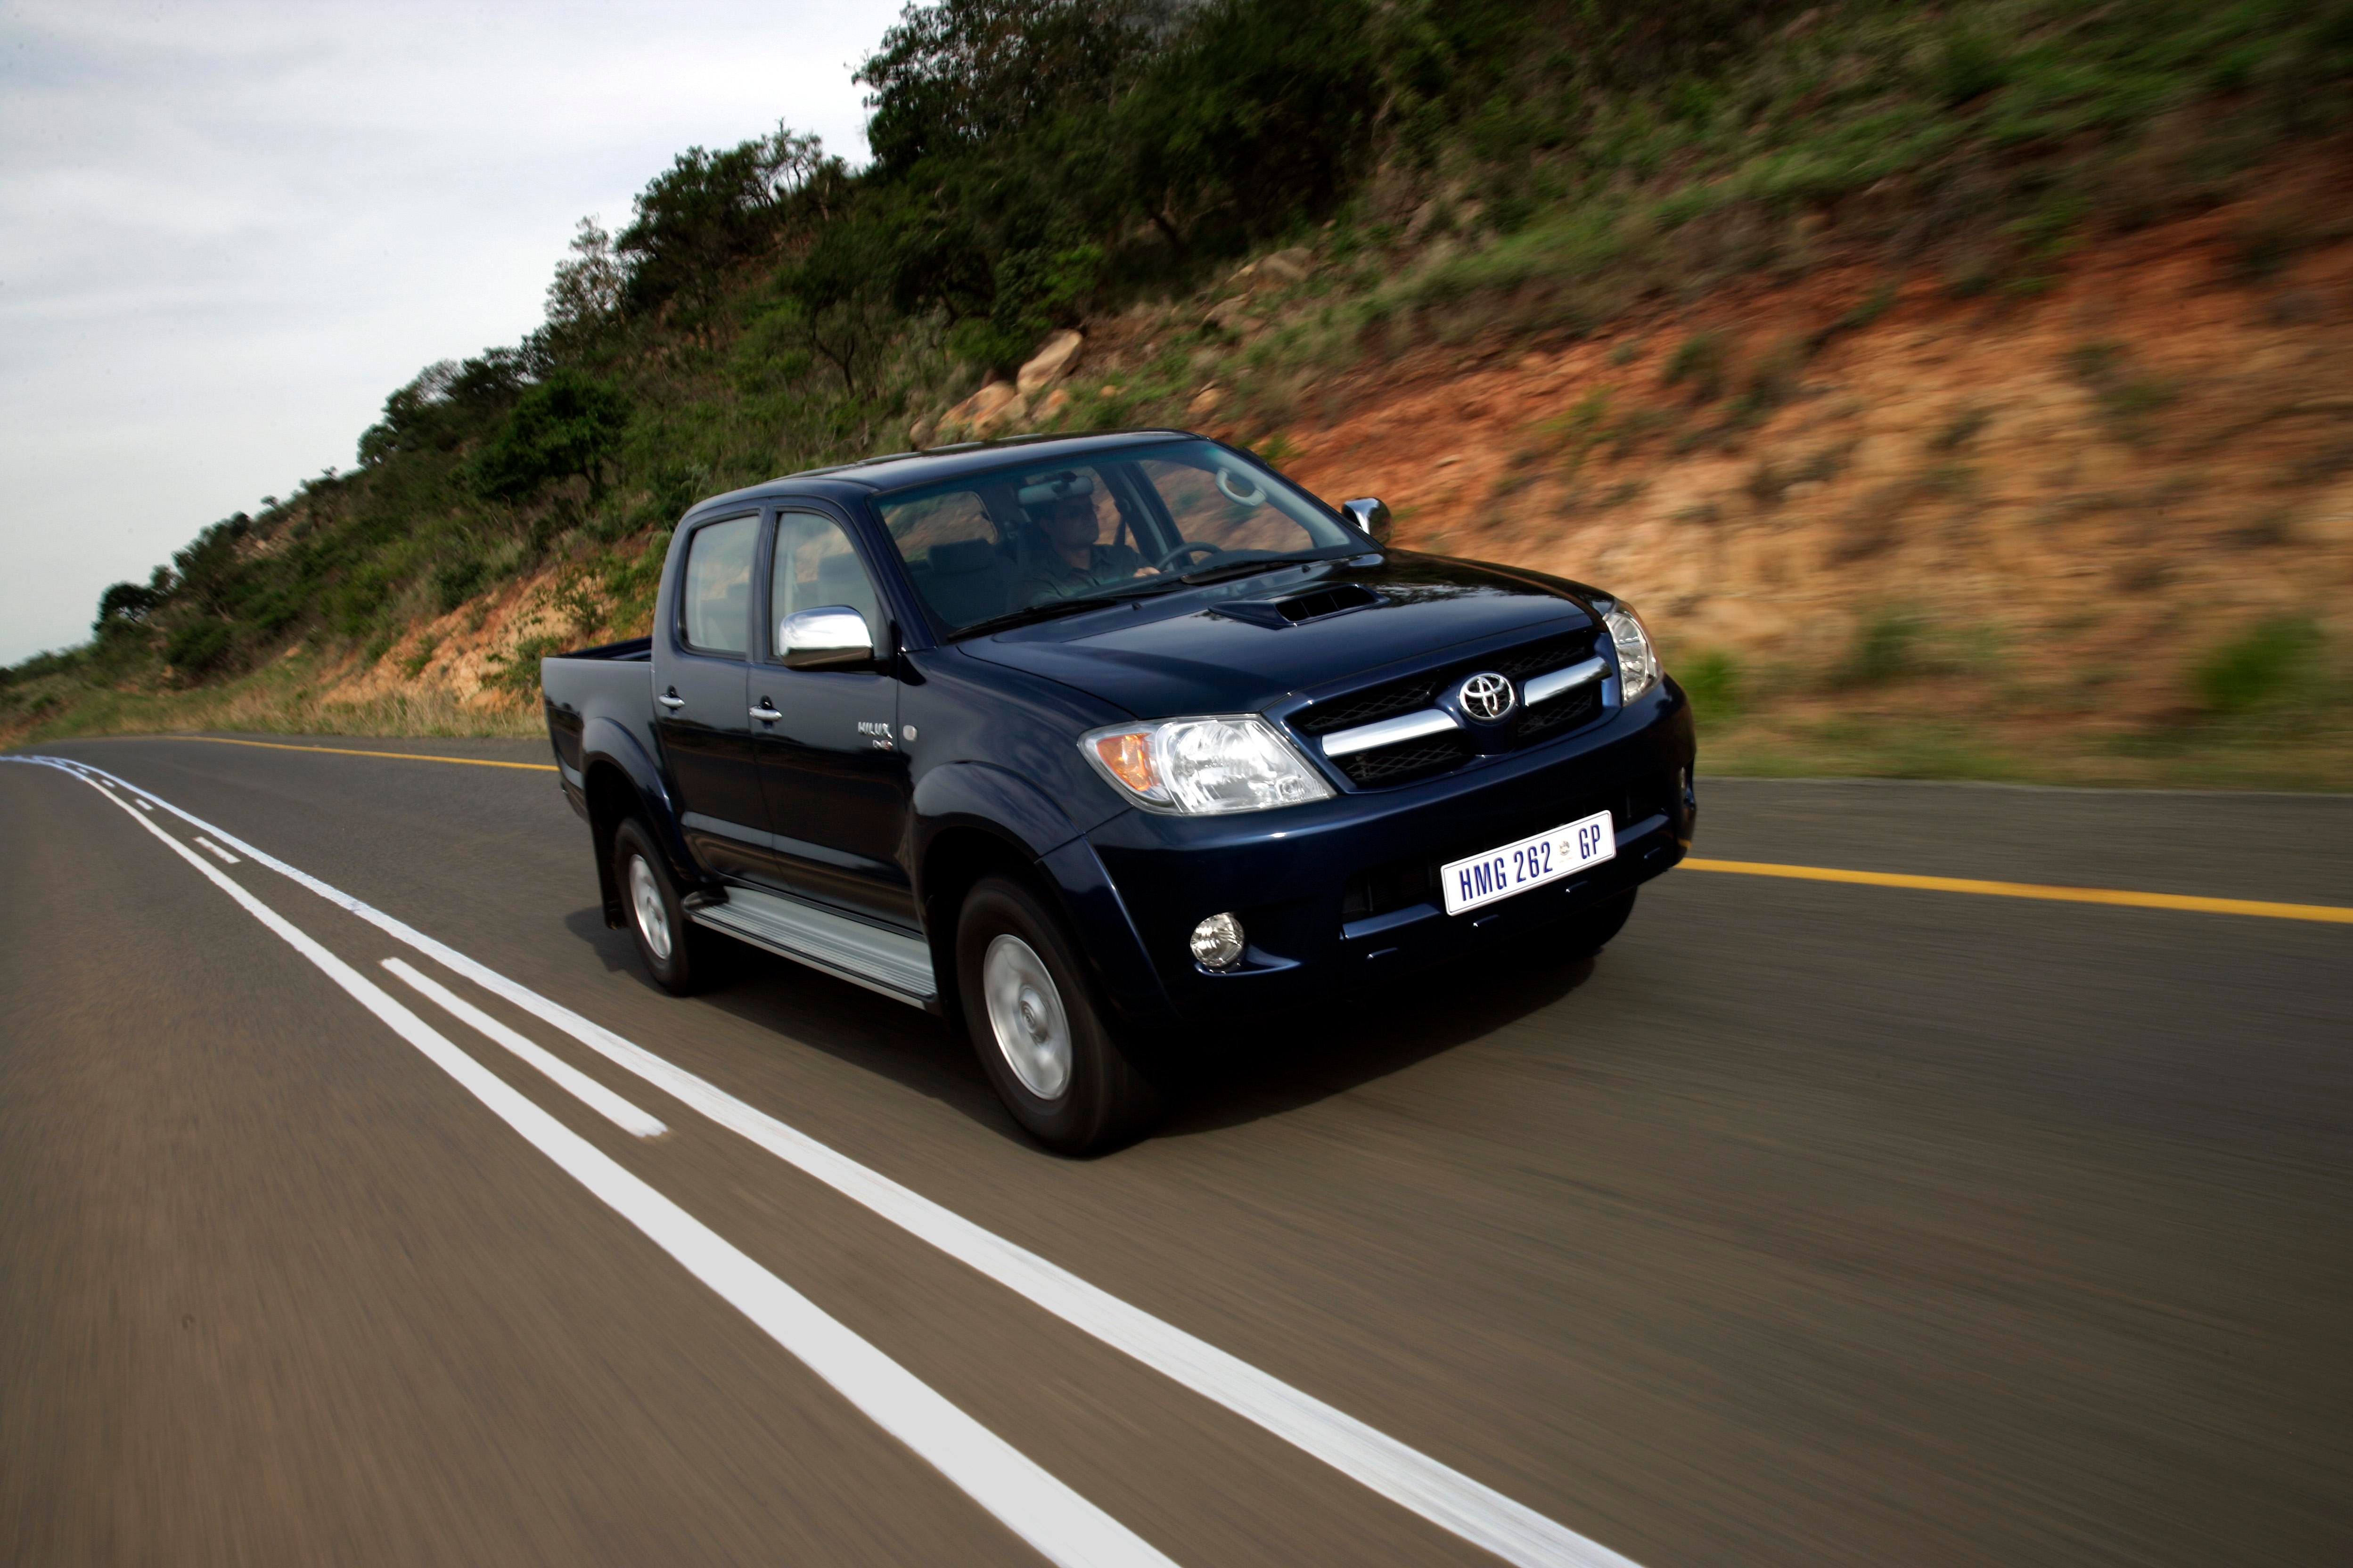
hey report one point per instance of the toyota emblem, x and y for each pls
(1486, 696)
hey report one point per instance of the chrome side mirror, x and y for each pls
(1371, 514)
(832, 636)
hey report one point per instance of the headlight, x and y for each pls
(1637, 661)
(1203, 767)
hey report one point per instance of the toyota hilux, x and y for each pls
(1098, 746)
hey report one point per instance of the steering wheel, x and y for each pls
(1182, 551)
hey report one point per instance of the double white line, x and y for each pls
(1062, 1525)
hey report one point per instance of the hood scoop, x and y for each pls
(1316, 604)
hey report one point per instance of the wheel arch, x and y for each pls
(620, 781)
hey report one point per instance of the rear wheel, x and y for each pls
(672, 948)
(1041, 1039)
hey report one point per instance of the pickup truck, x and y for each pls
(1100, 746)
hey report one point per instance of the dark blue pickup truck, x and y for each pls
(1098, 746)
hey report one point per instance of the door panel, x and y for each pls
(835, 778)
(705, 725)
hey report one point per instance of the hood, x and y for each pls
(1239, 646)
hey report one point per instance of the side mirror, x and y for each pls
(833, 636)
(1371, 514)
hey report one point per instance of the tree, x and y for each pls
(445, 404)
(568, 425)
(710, 210)
(588, 288)
(956, 76)
(125, 604)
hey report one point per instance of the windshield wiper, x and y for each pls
(1141, 588)
(1233, 569)
(1047, 609)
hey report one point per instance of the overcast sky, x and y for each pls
(227, 230)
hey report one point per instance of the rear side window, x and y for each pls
(715, 595)
(816, 568)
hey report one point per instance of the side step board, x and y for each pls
(897, 965)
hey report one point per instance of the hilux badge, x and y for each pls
(1486, 696)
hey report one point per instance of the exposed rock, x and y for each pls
(1002, 415)
(923, 433)
(1228, 315)
(980, 414)
(1204, 403)
(1055, 358)
(1290, 266)
(1056, 401)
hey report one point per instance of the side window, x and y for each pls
(716, 598)
(815, 565)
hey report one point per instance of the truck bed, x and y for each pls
(614, 681)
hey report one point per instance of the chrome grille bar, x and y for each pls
(1389, 731)
(1543, 687)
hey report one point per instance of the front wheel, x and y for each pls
(1036, 1028)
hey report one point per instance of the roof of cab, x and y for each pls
(898, 471)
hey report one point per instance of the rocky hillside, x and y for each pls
(1956, 392)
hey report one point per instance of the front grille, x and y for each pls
(1543, 657)
(1411, 759)
(1366, 706)
(1571, 708)
(1424, 758)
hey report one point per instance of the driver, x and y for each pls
(1074, 563)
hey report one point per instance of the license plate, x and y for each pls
(1531, 862)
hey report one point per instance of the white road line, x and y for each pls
(223, 855)
(1062, 1525)
(144, 807)
(597, 1098)
(1406, 1476)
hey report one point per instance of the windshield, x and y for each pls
(1030, 537)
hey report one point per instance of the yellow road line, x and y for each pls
(2334, 914)
(359, 752)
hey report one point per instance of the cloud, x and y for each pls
(226, 231)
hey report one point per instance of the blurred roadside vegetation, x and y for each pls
(1458, 170)
(2262, 708)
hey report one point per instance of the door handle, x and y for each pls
(671, 699)
(765, 711)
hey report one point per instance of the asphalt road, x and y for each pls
(1811, 1223)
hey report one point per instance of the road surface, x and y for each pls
(1813, 1222)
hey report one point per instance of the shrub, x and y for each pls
(197, 647)
(1887, 648)
(2261, 668)
(1700, 360)
(458, 581)
(1713, 681)
(568, 425)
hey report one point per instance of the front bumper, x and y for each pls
(1343, 891)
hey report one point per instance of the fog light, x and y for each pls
(1218, 943)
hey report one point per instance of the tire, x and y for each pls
(1037, 1028)
(674, 950)
(1587, 931)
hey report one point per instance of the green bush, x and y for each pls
(2262, 668)
(568, 425)
(197, 647)
(459, 581)
(1887, 648)
(1713, 681)
(1700, 360)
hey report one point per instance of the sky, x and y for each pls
(227, 230)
